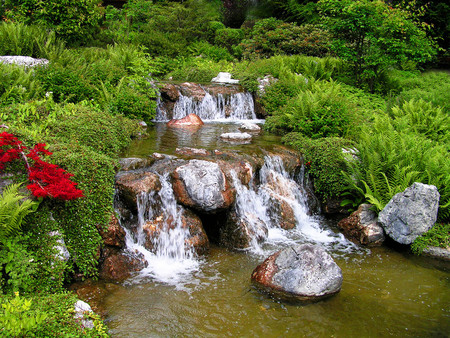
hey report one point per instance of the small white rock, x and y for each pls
(252, 127)
(80, 309)
(224, 77)
(236, 136)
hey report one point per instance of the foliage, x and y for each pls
(200, 70)
(17, 319)
(210, 52)
(373, 36)
(34, 41)
(227, 37)
(325, 161)
(18, 84)
(73, 22)
(438, 235)
(45, 179)
(12, 211)
(274, 37)
(317, 111)
(391, 159)
(58, 313)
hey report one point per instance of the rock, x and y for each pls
(239, 231)
(143, 124)
(192, 90)
(26, 61)
(187, 151)
(236, 137)
(264, 82)
(333, 206)
(131, 184)
(197, 238)
(299, 273)
(203, 186)
(63, 254)
(361, 226)
(81, 308)
(119, 267)
(133, 163)
(170, 92)
(281, 212)
(250, 127)
(224, 77)
(442, 254)
(410, 213)
(5, 180)
(114, 235)
(191, 120)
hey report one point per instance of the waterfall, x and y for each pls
(171, 257)
(238, 106)
(255, 206)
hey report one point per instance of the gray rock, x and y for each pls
(302, 272)
(251, 127)
(203, 186)
(80, 309)
(26, 61)
(236, 137)
(264, 82)
(132, 163)
(63, 254)
(442, 254)
(224, 77)
(411, 213)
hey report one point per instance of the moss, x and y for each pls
(438, 235)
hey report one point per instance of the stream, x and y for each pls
(385, 292)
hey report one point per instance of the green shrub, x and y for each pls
(200, 70)
(326, 162)
(73, 22)
(213, 26)
(34, 41)
(227, 37)
(207, 51)
(18, 84)
(319, 111)
(273, 37)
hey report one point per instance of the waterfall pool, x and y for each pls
(385, 292)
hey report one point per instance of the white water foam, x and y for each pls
(173, 259)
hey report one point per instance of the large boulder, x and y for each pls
(361, 226)
(192, 90)
(410, 213)
(114, 234)
(191, 120)
(131, 184)
(302, 272)
(202, 185)
(170, 92)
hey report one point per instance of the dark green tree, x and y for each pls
(373, 37)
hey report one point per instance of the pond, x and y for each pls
(386, 292)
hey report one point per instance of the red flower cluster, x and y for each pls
(46, 179)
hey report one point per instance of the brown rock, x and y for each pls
(170, 92)
(191, 120)
(120, 267)
(187, 151)
(114, 234)
(193, 90)
(361, 227)
(131, 184)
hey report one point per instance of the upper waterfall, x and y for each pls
(209, 102)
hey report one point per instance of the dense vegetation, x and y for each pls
(350, 93)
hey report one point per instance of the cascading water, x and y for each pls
(255, 207)
(172, 257)
(238, 106)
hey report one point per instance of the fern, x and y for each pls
(13, 210)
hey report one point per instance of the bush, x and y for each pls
(274, 37)
(18, 85)
(438, 236)
(325, 162)
(200, 70)
(227, 37)
(210, 52)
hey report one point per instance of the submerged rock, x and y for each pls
(191, 120)
(361, 226)
(236, 137)
(410, 213)
(302, 272)
(203, 186)
(250, 127)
